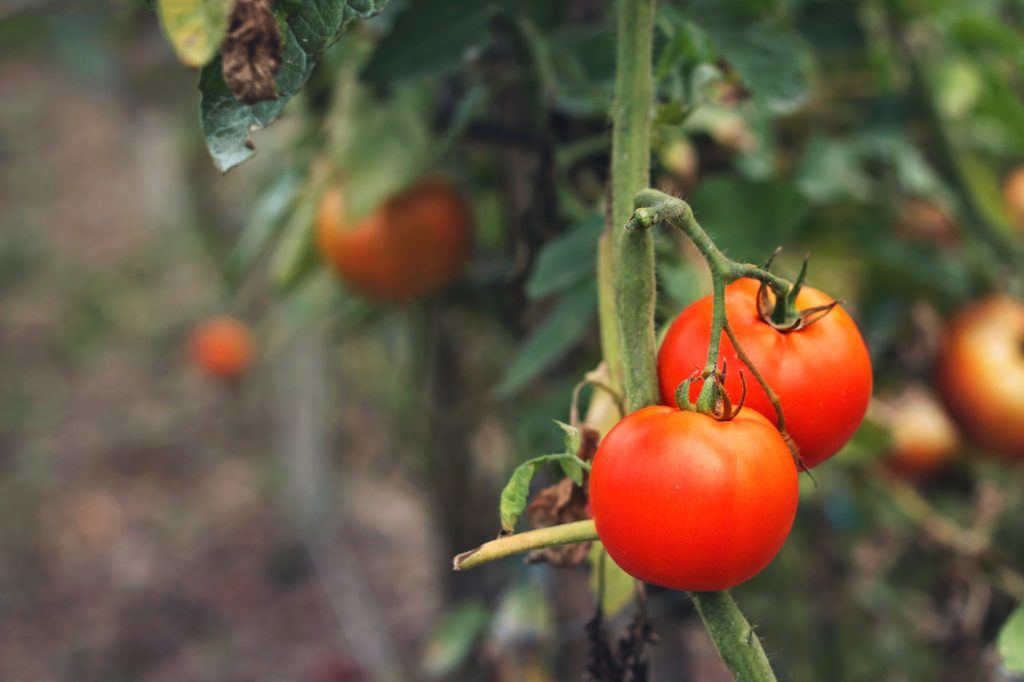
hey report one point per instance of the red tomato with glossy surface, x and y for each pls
(687, 502)
(981, 373)
(821, 373)
(222, 347)
(409, 246)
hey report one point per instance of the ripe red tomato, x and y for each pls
(221, 347)
(411, 245)
(981, 373)
(821, 373)
(1013, 197)
(687, 502)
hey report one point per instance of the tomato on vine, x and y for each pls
(411, 245)
(981, 373)
(685, 501)
(820, 371)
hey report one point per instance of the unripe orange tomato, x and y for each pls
(981, 373)
(687, 502)
(821, 373)
(409, 246)
(222, 347)
(1013, 197)
(924, 438)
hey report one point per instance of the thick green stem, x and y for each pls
(631, 156)
(733, 636)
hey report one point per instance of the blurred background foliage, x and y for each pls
(298, 524)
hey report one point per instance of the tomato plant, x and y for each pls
(409, 246)
(821, 372)
(222, 347)
(685, 501)
(981, 373)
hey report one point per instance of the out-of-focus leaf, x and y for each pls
(195, 28)
(615, 586)
(567, 260)
(561, 329)
(295, 256)
(522, 618)
(1011, 642)
(771, 59)
(265, 221)
(452, 641)
(227, 123)
(831, 170)
(429, 38)
(748, 219)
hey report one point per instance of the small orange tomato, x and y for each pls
(1013, 197)
(924, 438)
(981, 373)
(222, 347)
(411, 245)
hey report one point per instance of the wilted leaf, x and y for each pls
(195, 28)
(517, 490)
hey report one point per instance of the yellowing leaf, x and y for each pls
(195, 27)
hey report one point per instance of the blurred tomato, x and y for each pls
(409, 246)
(924, 438)
(1013, 197)
(926, 220)
(222, 347)
(981, 373)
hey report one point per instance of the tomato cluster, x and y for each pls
(696, 501)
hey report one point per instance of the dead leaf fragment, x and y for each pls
(251, 52)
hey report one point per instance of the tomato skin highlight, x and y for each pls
(411, 245)
(221, 347)
(981, 373)
(690, 503)
(822, 373)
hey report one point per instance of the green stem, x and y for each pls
(735, 639)
(562, 534)
(631, 158)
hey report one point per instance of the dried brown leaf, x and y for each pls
(251, 52)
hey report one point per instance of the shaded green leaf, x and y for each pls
(195, 28)
(265, 221)
(615, 586)
(567, 260)
(563, 327)
(428, 38)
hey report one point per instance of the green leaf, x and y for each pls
(566, 324)
(428, 38)
(452, 641)
(1011, 642)
(195, 28)
(227, 123)
(516, 492)
(567, 260)
(831, 170)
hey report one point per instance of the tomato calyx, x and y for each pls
(723, 409)
(782, 313)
